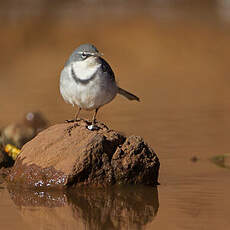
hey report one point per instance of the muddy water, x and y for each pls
(176, 59)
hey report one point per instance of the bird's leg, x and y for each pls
(76, 116)
(69, 129)
(94, 117)
(93, 126)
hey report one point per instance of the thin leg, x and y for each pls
(93, 126)
(94, 116)
(69, 129)
(77, 114)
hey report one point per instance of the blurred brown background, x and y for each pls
(174, 54)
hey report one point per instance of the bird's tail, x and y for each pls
(128, 95)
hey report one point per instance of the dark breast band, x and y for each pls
(81, 81)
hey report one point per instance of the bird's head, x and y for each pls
(85, 52)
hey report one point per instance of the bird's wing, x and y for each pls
(107, 69)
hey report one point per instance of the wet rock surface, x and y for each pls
(67, 155)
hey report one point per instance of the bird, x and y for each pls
(88, 81)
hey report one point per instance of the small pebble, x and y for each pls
(194, 159)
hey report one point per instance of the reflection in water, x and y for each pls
(31, 198)
(122, 207)
(1, 183)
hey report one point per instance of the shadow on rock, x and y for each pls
(118, 207)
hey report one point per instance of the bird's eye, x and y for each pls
(83, 55)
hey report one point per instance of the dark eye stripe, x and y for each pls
(84, 55)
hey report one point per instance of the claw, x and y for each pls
(69, 121)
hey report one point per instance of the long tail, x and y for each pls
(128, 95)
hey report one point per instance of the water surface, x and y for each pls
(175, 57)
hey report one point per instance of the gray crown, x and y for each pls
(76, 55)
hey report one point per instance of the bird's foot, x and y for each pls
(73, 120)
(70, 121)
(92, 127)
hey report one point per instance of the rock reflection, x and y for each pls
(32, 198)
(119, 207)
(129, 207)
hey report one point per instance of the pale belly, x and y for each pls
(95, 94)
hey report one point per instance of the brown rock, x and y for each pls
(19, 133)
(63, 156)
(135, 156)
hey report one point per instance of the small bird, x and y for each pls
(88, 81)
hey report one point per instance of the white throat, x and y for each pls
(85, 69)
